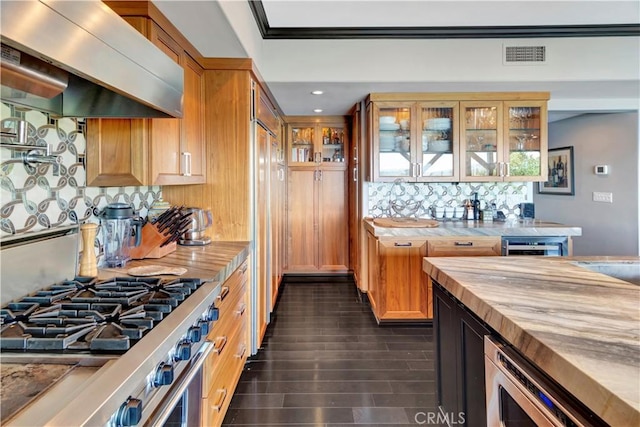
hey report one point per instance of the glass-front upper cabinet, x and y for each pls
(526, 132)
(317, 142)
(481, 151)
(393, 147)
(438, 141)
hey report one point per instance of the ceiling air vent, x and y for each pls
(525, 55)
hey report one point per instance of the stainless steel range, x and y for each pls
(133, 347)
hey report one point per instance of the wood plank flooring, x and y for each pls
(326, 362)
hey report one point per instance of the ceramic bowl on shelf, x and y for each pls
(389, 126)
(440, 145)
(387, 119)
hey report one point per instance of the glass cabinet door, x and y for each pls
(392, 141)
(526, 139)
(332, 144)
(438, 141)
(302, 144)
(480, 135)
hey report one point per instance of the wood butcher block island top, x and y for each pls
(472, 228)
(580, 327)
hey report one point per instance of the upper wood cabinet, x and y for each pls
(160, 151)
(454, 137)
(313, 141)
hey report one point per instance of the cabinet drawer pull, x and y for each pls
(241, 309)
(463, 243)
(240, 355)
(221, 395)
(244, 268)
(223, 293)
(407, 244)
(219, 344)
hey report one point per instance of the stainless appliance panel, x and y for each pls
(518, 394)
(535, 246)
(139, 81)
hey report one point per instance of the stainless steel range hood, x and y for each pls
(80, 59)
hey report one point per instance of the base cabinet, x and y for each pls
(223, 367)
(460, 379)
(398, 290)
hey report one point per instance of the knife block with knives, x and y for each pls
(160, 236)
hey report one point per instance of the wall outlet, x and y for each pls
(602, 197)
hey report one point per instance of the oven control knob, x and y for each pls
(129, 413)
(212, 313)
(164, 374)
(204, 327)
(194, 334)
(183, 351)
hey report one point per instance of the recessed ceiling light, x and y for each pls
(318, 110)
(317, 92)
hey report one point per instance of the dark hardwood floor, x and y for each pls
(326, 362)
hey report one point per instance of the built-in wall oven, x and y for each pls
(518, 394)
(539, 246)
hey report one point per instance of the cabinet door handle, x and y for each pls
(419, 167)
(221, 395)
(223, 293)
(219, 345)
(355, 174)
(241, 309)
(319, 175)
(187, 163)
(355, 153)
(507, 169)
(406, 244)
(463, 243)
(317, 156)
(240, 354)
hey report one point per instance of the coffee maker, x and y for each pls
(119, 227)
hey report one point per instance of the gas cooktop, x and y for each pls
(88, 315)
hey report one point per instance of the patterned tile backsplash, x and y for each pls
(506, 195)
(36, 196)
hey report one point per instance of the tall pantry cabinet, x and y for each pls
(317, 200)
(238, 186)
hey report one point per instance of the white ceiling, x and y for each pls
(434, 13)
(292, 68)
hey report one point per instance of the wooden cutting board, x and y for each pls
(406, 223)
(156, 270)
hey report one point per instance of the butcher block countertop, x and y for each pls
(213, 262)
(476, 228)
(581, 327)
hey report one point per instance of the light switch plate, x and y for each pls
(602, 197)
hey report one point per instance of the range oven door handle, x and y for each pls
(175, 394)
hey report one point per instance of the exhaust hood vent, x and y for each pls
(80, 59)
(524, 55)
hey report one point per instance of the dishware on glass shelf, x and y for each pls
(389, 126)
(404, 124)
(387, 119)
(440, 145)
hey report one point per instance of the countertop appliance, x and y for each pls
(133, 347)
(535, 245)
(518, 394)
(119, 227)
(201, 219)
(43, 71)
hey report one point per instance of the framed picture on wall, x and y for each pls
(560, 179)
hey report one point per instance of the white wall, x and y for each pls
(611, 139)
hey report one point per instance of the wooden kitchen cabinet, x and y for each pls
(317, 141)
(223, 367)
(503, 141)
(317, 222)
(317, 198)
(416, 142)
(152, 151)
(398, 290)
(451, 137)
